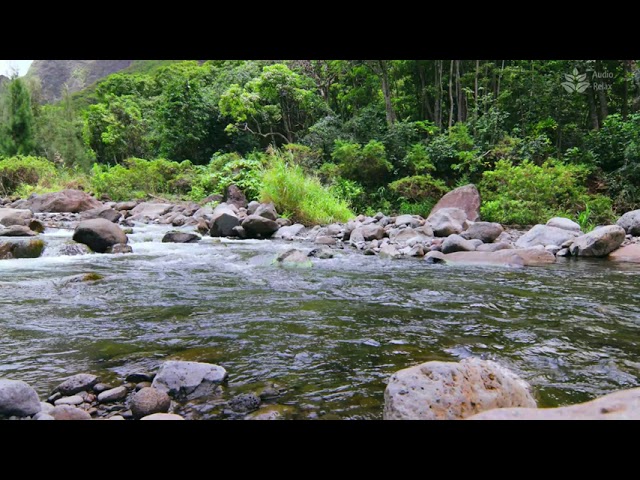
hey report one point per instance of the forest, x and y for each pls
(327, 139)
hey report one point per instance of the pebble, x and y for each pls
(162, 416)
(113, 395)
(77, 383)
(73, 400)
(101, 387)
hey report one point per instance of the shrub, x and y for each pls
(366, 165)
(419, 188)
(15, 171)
(302, 197)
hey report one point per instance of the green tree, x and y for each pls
(17, 129)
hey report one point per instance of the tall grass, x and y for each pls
(301, 197)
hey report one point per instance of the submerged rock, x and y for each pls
(180, 237)
(245, 402)
(18, 398)
(510, 257)
(323, 253)
(599, 242)
(99, 234)
(17, 231)
(294, 257)
(453, 391)
(466, 198)
(188, 379)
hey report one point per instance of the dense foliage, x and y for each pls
(389, 135)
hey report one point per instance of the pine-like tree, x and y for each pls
(17, 131)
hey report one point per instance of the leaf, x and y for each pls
(568, 77)
(582, 78)
(569, 86)
(582, 86)
(575, 72)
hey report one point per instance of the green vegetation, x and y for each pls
(323, 138)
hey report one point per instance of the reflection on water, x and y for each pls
(331, 335)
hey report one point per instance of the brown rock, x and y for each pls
(523, 257)
(148, 401)
(67, 412)
(466, 198)
(73, 201)
(628, 253)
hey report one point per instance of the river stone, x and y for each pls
(101, 212)
(466, 198)
(152, 211)
(17, 231)
(322, 253)
(252, 207)
(18, 398)
(234, 196)
(510, 258)
(77, 383)
(545, 235)
(367, 233)
(46, 407)
(287, 233)
(223, 219)
(565, 224)
(409, 220)
(389, 251)
(487, 232)
(119, 248)
(245, 402)
(453, 390)
(622, 405)
(67, 412)
(37, 226)
(73, 201)
(447, 221)
(43, 416)
(630, 221)
(163, 416)
(113, 395)
(628, 253)
(294, 257)
(116, 417)
(257, 226)
(493, 247)
(325, 240)
(21, 248)
(72, 400)
(14, 216)
(99, 234)
(138, 377)
(456, 243)
(180, 237)
(410, 236)
(148, 401)
(599, 242)
(267, 210)
(188, 379)
(125, 205)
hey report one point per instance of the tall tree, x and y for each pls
(17, 132)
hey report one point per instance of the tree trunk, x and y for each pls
(625, 89)
(461, 97)
(475, 92)
(438, 101)
(386, 92)
(593, 114)
(451, 95)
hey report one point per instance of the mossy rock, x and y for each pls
(21, 249)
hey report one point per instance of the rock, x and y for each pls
(179, 220)
(234, 196)
(623, 405)
(466, 198)
(508, 258)
(113, 395)
(410, 236)
(630, 221)
(564, 224)
(628, 253)
(150, 211)
(116, 417)
(563, 252)
(493, 247)
(139, 386)
(323, 253)
(18, 398)
(43, 416)
(72, 400)
(67, 412)
(188, 379)
(271, 412)
(294, 257)
(267, 210)
(544, 235)
(447, 221)
(125, 205)
(287, 233)
(77, 383)
(409, 220)
(148, 401)
(599, 242)
(13, 216)
(36, 226)
(367, 233)
(389, 251)
(252, 207)
(119, 248)
(99, 234)
(163, 416)
(453, 391)
(46, 407)
(455, 243)
(485, 231)
(138, 377)
(101, 387)
(238, 231)
(71, 249)
(17, 231)
(203, 226)
(257, 226)
(283, 222)
(215, 198)
(180, 237)
(73, 201)
(222, 221)
(20, 248)
(554, 249)
(245, 402)
(101, 212)
(325, 240)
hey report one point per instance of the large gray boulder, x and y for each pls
(14, 216)
(485, 231)
(287, 233)
(223, 220)
(565, 224)
(188, 379)
(466, 198)
(630, 221)
(18, 398)
(599, 242)
(73, 201)
(455, 243)
(453, 391)
(545, 235)
(447, 221)
(623, 405)
(99, 234)
(257, 226)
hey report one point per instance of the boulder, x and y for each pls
(623, 405)
(287, 233)
(223, 219)
(545, 235)
(257, 226)
(628, 253)
(630, 221)
(102, 212)
(294, 257)
(180, 237)
(409, 220)
(466, 198)
(455, 243)
(447, 221)
(366, 233)
(509, 258)
(125, 205)
(565, 224)
(14, 248)
(252, 207)
(150, 210)
(99, 234)
(409, 236)
(283, 222)
(17, 231)
(493, 247)
(267, 210)
(73, 201)
(188, 379)
(599, 242)
(68, 412)
(453, 391)
(234, 196)
(163, 416)
(12, 216)
(485, 231)
(389, 251)
(148, 401)
(18, 398)
(77, 383)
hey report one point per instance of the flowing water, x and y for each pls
(328, 336)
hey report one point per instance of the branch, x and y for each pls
(265, 135)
